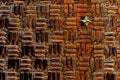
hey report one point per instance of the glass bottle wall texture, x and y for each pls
(59, 39)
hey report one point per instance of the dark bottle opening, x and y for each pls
(37, 63)
(58, 76)
(33, 23)
(1, 23)
(50, 49)
(49, 76)
(46, 36)
(54, 48)
(2, 76)
(25, 76)
(6, 23)
(37, 36)
(52, 23)
(53, 76)
(1, 50)
(41, 64)
(42, 36)
(45, 64)
(27, 50)
(59, 48)
(10, 36)
(109, 76)
(69, 62)
(17, 10)
(21, 76)
(13, 63)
